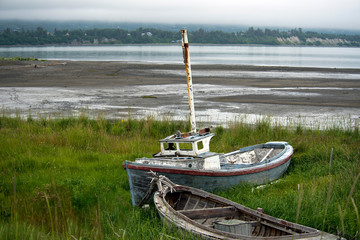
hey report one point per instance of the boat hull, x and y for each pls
(208, 180)
(199, 212)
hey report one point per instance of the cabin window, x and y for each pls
(200, 145)
(169, 146)
(185, 146)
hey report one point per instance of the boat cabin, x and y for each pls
(186, 144)
(185, 150)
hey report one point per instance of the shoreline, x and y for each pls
(177, 44)
(117, 88)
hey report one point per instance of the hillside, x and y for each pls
(42, 36)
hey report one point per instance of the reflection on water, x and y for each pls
(333, 57)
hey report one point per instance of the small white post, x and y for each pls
(186, 54)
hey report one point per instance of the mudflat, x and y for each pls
(334, 91)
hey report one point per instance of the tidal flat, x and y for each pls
(314, 97)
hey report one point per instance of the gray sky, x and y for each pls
(342, 14)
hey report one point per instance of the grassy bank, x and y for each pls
(62, 178)
(18, 59)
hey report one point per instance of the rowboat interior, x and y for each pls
(218, 215)
(259, 154)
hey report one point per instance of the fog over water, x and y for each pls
(276, 13)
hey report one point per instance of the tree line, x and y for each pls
(295, 36)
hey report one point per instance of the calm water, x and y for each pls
(200, 54)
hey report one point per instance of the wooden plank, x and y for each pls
(279, 227)
(207, 202)
(202, 203)
(193, 202)
(204, 221)
(229, 211)
(267, 154)
(197, 203)
(187, 202)
(183, 199)
(211, 204)
(262, 231)
(177, 201)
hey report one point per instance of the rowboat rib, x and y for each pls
(284, 229)
(197, 203)
(187, 203)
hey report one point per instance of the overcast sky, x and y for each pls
(342, 14)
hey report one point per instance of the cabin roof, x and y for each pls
(187, 137)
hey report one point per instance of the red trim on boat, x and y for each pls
(214, 173)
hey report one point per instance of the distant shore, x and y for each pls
(170, 44)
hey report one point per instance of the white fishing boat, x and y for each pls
(186, 158)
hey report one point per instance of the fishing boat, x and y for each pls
(186, 158)
(207, 170)
(214, 217)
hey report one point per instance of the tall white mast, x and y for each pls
(186, 54)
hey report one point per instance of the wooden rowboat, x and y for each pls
(214, 217)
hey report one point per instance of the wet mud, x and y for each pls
(222, 92)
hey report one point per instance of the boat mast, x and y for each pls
(186, 54)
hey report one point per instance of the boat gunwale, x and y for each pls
(269, 164)
(214, 173)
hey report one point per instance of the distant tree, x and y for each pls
(150, 35)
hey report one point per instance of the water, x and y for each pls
(330, 57)
(262, 74)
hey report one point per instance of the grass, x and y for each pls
(63, 178)
(148, 96)
(19, 59)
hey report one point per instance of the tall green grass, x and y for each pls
(63, 178)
